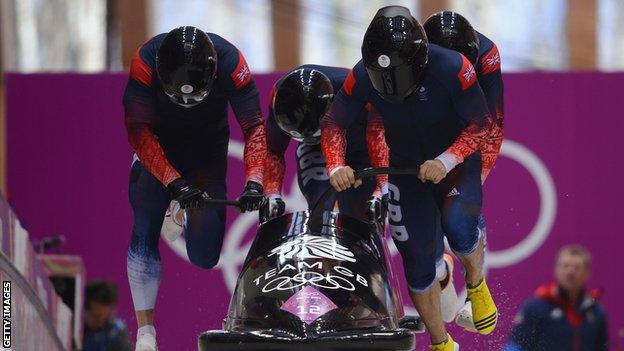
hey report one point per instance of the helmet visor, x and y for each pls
(394, 84)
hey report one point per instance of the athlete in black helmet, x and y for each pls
(176, 116)
(396, 67)
(298, 101)
(301, 98)
(436, 118)
(451, 30)
(186, 63)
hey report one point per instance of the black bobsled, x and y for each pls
(315, 280)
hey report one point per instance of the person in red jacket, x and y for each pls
(563, 315)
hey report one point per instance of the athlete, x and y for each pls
(176, 116)
(436, 118)
(298, 101)
(453, 31)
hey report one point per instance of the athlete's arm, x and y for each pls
(469, 103)
(275, 165)
(244, 99)
(377, 148)
(140, 115)
(346, 106)
(491, 81)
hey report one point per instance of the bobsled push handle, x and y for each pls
(223, 202)
(316, 213)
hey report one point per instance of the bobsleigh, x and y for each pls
(315, 280)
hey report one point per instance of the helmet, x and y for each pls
(186, 63)
(453, 31)
(301, 99)
(394, 52)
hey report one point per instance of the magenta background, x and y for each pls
(68, 163)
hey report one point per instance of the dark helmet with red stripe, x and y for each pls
(394, 52)
(187, 64)
(453, 31)
(301, 99)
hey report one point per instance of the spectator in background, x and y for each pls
(103, 331)
(563, 315)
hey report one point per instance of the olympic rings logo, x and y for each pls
(328, 281)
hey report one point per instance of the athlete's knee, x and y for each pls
(419, 274)
(420, 282)
(460, 227)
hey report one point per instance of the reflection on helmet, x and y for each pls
(186, 63)
(451, 30)
(394, 52)
(301, 99)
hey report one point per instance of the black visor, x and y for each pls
(187, 63)
(395, 53)
(301, 100)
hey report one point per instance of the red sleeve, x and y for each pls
(491, 82)
(255, 148)
(150, 152)
(471, 105)
(471, 139)
(245, 102)
(275, 167)
(377, 148)
(277, 143)
(490, 149)
(333, 143)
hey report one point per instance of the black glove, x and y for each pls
(273, 207)
(186, 195)
(376, 208)
(251, 198)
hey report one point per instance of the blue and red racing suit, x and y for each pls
(173, 141)
(446, 118)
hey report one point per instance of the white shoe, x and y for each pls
(464, 318)
(173, 224)
(448, 297)
(146, 342)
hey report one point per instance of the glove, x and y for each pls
(273, 207)
(187, 196)
(377, 208)
(251, 198)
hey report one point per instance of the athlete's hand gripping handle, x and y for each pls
(252, 197)
(188, 196)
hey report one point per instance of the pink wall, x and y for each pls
(558, 178)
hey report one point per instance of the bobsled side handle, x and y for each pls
(224, 202)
